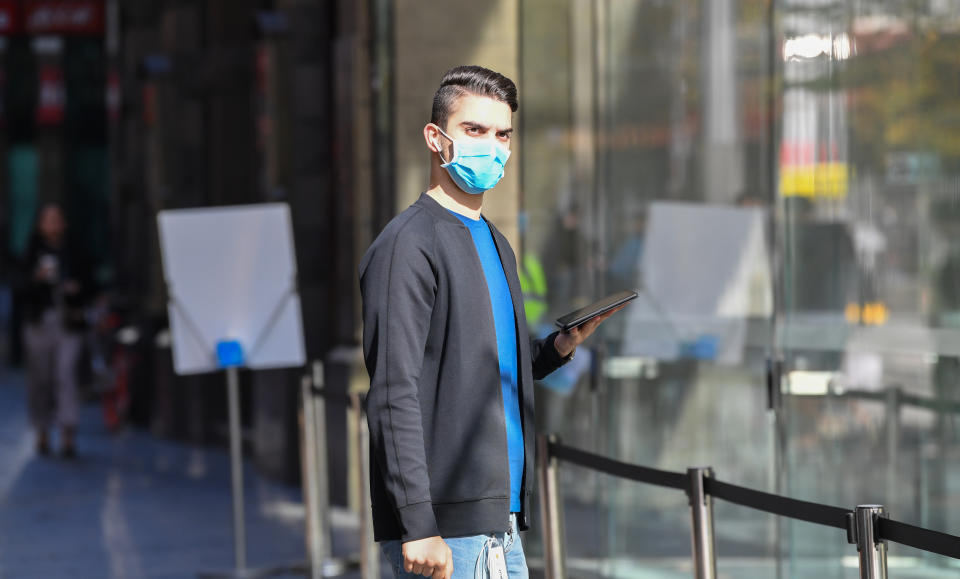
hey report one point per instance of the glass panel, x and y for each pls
(645, 149)
(868, 191)
(648, 134)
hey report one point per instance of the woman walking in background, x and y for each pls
(52, 295)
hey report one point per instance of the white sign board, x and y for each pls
(706, 270)
(231, 275)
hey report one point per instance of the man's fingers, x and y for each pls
(592, 324)
(440, 565)
(448, 572)
(589, 327)
(601, 319)
(613, 311)
(597, 320)
(415, 567)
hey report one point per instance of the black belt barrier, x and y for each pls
(887, 529)
(919, 538)
(792, 508)
(661, 478)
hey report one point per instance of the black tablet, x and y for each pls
(583, 315)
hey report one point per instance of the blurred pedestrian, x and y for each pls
(51, 291)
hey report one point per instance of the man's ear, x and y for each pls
(431, 135)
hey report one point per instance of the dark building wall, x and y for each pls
(191, 135)
(227, 83)
(318, 70)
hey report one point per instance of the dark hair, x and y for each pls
(475, 80)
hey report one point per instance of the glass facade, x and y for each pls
(781, 181)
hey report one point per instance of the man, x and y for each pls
(450, 408)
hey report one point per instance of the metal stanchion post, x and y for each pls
(873, 552)
(894, 400)
(701, 510)
(316, 482)
(369, 552)
(321, 473)
(241, 570)
(315, 529)
(550, 511)
(236, 468)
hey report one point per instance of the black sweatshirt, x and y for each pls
(438, 440)
(37, 296)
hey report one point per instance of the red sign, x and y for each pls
(9, 17)
(64, 16)
(52, 96)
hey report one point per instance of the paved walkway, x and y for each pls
(133, 506)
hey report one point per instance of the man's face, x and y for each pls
(476, 117)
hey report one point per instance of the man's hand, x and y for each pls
(430, 557)
(567, 342)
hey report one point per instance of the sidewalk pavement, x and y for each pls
(134, 506)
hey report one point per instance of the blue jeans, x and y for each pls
(468, 555)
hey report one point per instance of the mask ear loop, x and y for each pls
(453, 144)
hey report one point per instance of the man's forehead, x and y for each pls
(482, 111)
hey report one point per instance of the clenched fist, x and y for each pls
(430, 557)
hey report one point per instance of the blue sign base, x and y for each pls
(229, 354)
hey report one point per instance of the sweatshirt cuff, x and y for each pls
(418, 521)
(554, 359)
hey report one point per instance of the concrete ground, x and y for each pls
(134, 506)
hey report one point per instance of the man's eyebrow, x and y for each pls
(482, 127)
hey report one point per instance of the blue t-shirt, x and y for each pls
(505, 324)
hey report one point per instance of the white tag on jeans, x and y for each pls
(496, 563)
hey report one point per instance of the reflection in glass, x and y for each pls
(645, 165)
(779, 180)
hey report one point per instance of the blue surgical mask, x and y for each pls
(477, 165)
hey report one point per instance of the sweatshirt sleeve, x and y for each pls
(545, 356)
(398, 287)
